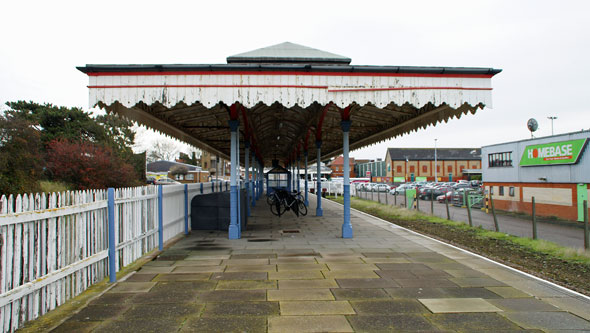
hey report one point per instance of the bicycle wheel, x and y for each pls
(278, 208)
(302, 208)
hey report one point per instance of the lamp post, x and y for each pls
(435, 163)
(552, 118)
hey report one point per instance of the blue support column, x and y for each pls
(201, 188)
(254, 178)
(247, 178)
(298, 178)
(112, 242)
(346, 226)
(318, 210)
(160, 219)
(261, 181)
(289, 178)
(306, 186)
(186, 209)
(233, 232)
(237, 168)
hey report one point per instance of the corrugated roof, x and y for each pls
(165, 166)
(288, 53)
(413, 154)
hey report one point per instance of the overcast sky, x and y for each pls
(543, 48)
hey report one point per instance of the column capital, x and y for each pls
(233, 125)
(318, 143)
(345, 124)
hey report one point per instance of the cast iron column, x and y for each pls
(247, 175)
(319, 211)
(306, 189)
(254, 178)
(346, 226)
(233, 231)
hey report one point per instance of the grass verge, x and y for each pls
(566, 266)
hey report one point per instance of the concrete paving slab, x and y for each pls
(239, 276)
(142, 311)
(182, 277)
(133, 287)
(425, 283)
(226, 324)
(576, 306)
(245, 285)
(350, 267)
(350, 274)
(308, 324)
(241, 309)
(156, 269)
(367, 283)
(391, 323)
(315, 308)
(402, 267)
(308, 284)
(231, 295)
(386, 260)
(301, 267)
(359, 294)
(198, 269)
(100, 312)
(478, 282)
(300, 295)
(167, 324)
(204, 262)
(472, 322)
(251, 268)
(461, 273)
(508, 292)
(523, 305)
(242, 262)
(548, 320)
(295, 275)
(159, 263)
(76, 326)
(454, 305)
(387, 307)
(137, 277)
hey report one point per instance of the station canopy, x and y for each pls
(286, 97)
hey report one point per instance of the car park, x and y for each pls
(380, 188)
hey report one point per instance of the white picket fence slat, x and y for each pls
(54, 246)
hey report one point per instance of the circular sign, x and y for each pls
(532, 124)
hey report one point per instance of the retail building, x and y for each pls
(555, 170)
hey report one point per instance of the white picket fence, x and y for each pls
(54, 246)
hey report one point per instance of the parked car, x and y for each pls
(150, 180)
(166, 181)
(448, 196)
(380, 188)
(402, 189)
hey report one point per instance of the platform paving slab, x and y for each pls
(308, 324)
(455, 305)
(384, 279)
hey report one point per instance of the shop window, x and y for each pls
(511, 191)
(412, 169)
(501, 190)
(424, 168)
(190, 176)
(399, 168)
(500, 159)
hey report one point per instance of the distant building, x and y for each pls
(417, 164)
(337, 166)
(371, 169)
(162, 169)
(555, 170)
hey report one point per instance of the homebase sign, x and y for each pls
(563, 152)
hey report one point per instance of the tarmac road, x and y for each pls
(560, 233)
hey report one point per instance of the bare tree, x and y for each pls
(166, 150)
(178, 170)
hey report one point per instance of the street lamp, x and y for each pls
(552, 118)
(435, 163)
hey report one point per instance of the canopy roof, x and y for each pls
(286, 98)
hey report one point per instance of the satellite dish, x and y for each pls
(532, 125)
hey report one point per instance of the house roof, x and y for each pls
(165, 166)
(340, 161)
(401, 154)
(288, 53)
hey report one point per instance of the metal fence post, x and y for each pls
(447, 205)
(468, 209)
(386, 199)
(112, 243)
(534, 220)
(586, 234)
(186, 209)
(431, 204)
(496, 225)
(160, 220)
(201, 188)
(417, 200)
